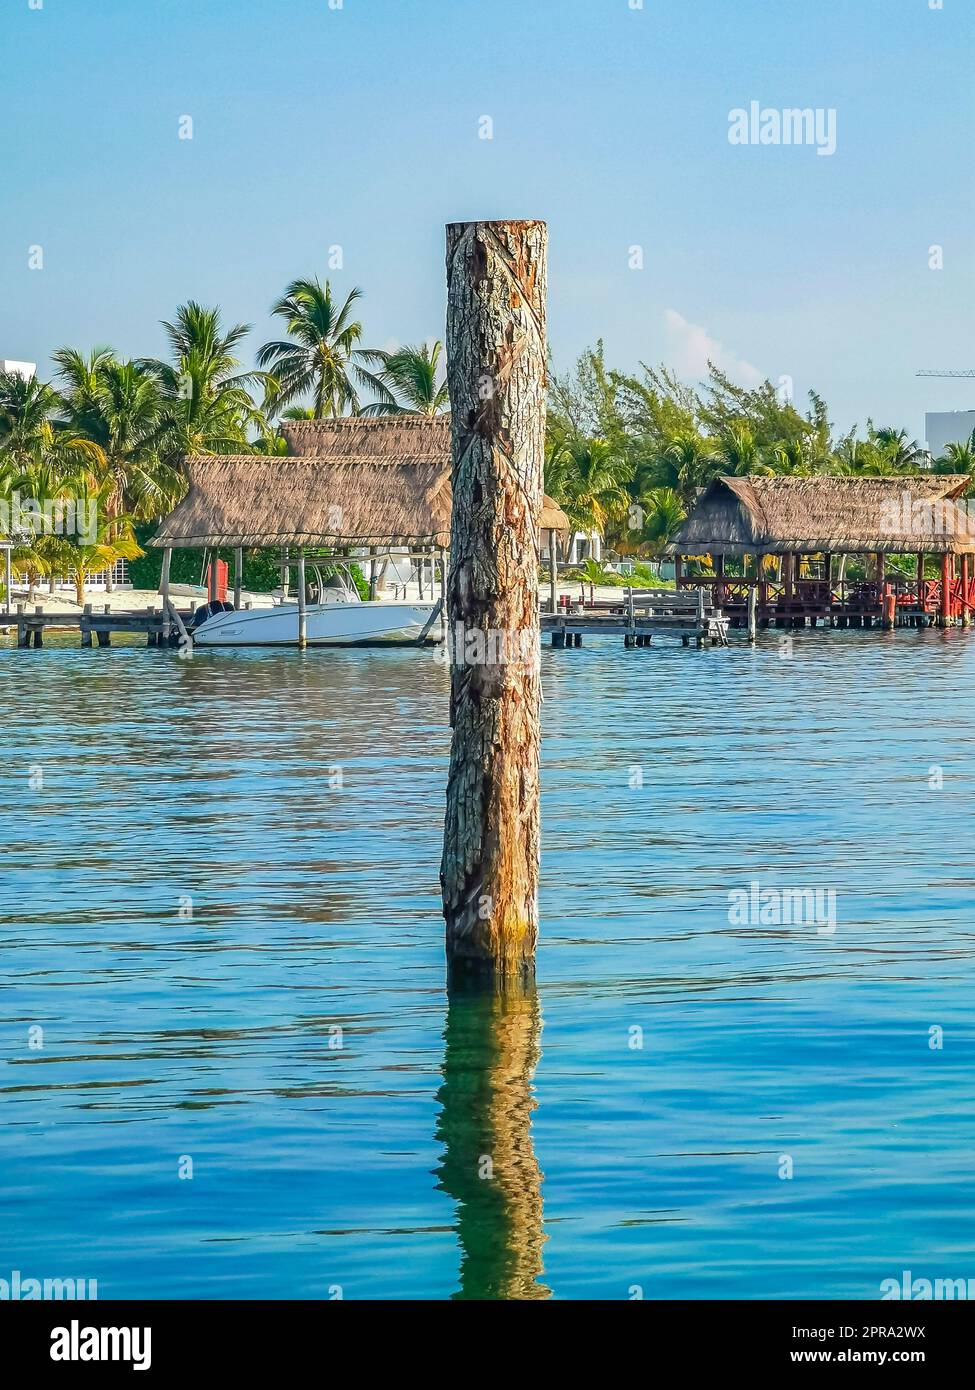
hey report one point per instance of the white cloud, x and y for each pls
(692, 347)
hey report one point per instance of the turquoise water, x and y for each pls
(353, 1161)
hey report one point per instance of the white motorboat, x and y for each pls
(340, 618)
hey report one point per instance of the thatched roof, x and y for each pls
(382, 438)
(739, 516)
(383, 481)
(244, 499)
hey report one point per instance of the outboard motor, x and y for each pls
(207, 610)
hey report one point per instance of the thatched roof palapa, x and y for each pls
(839, 515)
(384, 438)
(382, 481)
(247, 500)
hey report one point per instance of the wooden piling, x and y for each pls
(966, 612)
(442, 596)
(302, 602)
(553, 571)
(496, 354)
(752, 612)
(167, 561)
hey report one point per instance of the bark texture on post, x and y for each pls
(496, 284)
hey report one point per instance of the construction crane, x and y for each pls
(964, 374)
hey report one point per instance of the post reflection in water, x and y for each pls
(489, 1167)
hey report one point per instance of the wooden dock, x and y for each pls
(158, 629)
(639, 616)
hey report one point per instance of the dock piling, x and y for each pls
(302, 602)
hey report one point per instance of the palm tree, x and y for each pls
(100, 549)
(82, 379)
(559, 465)
(681, 463)
(411, 374)
(789, 458)
(117, 405)
(594, 491)
(957, 458)
(26, 409)
(322, 356)
(739, 452)
(856, 456)
(900, 452)
(47, 484)
(130, 408)
(205, 404)
(663, 514)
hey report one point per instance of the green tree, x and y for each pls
(594, 495)
(117, 405)
(322, 356)
(958, 458)
(205, 402)
(663, 513)
(680, 464)
(27, 407)
(410, 375)
(900, 452)
(85, 552)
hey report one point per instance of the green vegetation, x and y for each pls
(108, 438)
(626, 454)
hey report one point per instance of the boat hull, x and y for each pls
(327, 624)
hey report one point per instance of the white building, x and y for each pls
(24, 369)
(943, 427)
(582, 546)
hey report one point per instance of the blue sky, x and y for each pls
(358, 127)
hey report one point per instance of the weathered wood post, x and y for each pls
(947, 571)
(167, 560)
(496, 286)
(966, 613)
(443, 594)
(238, 573)
(752, 611)
(302, 602)
(553, 571)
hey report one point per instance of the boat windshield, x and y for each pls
(336, 585)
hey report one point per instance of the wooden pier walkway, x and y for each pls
(31, 624)
(639, 616)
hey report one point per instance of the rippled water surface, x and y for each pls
(221, 907)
